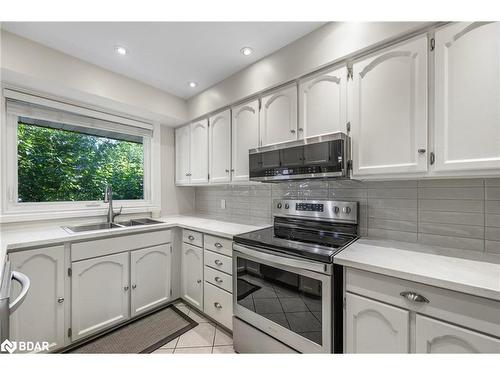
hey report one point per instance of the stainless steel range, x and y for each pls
(288, 292)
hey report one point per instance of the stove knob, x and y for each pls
(336, 209)
(279, 205)
(347, 210)
(287, 206)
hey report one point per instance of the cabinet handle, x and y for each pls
(292, 131)
(190, 238)
(134, 286)
(198, 281)
(125, 288)
(421, 151)
(227, 170)
(301, 130)
(414, 297)
(60, 300)
(218, 305)
(218, 262)
(218, 279)
(232, 170)
(218, 245)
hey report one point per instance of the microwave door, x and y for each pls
(317, 154)
(270, 159)
(292, 157)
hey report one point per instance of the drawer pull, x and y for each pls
(60, 300)
(414, 297)
(218, 279)
(190, 237)
(218, 262)
(218, 305)
(218, 245)
(198, 281)
(134, 286)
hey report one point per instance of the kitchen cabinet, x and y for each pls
(323, 103)
(182, 154)
(192, 275)
(278, 116)
(41, 317)
(245, 135)
(467, 97)
(387, 101)
(375, 327)
(99, 294)
(198, 159)
(150, 275)
(434, 336)
(220, 147)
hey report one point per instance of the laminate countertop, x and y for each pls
(475, 273)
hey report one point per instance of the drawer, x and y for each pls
(466, 310)
(112, 245)
(218, 261)
(219, 245)
(220, 279)
(192, 237)
(218, 304)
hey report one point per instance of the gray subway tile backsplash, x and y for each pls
(459, 213)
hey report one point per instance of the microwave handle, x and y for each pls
(24, 280)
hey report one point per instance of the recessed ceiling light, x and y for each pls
(121, 50)
(192, 84)
(247, 51)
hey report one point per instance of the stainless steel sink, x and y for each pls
(134, 222)
(90, 227)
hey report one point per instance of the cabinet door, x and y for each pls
(199, 152)
(220, 147)
(434, 336)
(245, 135)
(192, 275)
(375, 327)
(41, 316)
(388, 111)
(278, 116)
(323, 104)
(99, 294)
(149, 278)
(467, 80)
(182, 153)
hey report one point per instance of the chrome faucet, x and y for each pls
(108, 198)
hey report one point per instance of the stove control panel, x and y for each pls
(339, 211)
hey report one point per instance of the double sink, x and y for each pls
(103, 226)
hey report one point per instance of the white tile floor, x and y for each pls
(207, 337)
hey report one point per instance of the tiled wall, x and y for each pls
(458, 213)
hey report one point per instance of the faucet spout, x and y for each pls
(108, 198)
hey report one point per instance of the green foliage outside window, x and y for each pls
(60, 165)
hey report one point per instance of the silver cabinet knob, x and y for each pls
(198, 281)
(227, 170)
(134, 286)
(421, 151)
(125, 288)
(218, 262)
(218, 305)
(218, 279)
(218, 245)
(301, 130)
(292, 131)
(232, 170)
(60, 300)
(414, 297)
(190, 238)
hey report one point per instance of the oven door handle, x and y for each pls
(283, 259)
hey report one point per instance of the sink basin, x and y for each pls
(90, 227)
(135, 222)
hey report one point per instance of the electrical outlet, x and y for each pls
(223, 204)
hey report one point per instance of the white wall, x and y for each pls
(323, 46)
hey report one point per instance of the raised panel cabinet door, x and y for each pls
(150, 275)
(220, 147)
(467, 100)
(388, 111)
(375, 327)
(192, 275)
(99, 294)
(278, 116)
(434, 336)
(182, 153)
(199, 152)
(245, 136)
(41, 316)
(323, 104)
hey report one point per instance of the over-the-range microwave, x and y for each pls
(326, 156)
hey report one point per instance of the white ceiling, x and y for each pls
(166, 55)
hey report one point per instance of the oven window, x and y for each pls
(288, 299)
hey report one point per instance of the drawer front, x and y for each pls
(220, 279)
(477, 313)
(219, 245)
(218, 304)
(219, 262)
(112, 245)
(192, 237)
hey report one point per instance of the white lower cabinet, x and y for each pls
(434, 336)
(375, 327)
(192, 275)
(41, 317)
(99, 294)
(149, 278)
(218, 304)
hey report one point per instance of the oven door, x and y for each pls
(288, 298)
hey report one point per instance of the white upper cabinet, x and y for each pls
(220, 147)
(323, 103)
(182, 145)
(198, 159)
(278, 116)
(388, 111)
(245, 135)
(467, 83)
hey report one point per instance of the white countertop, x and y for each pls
(20, 236)
(467, 272)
